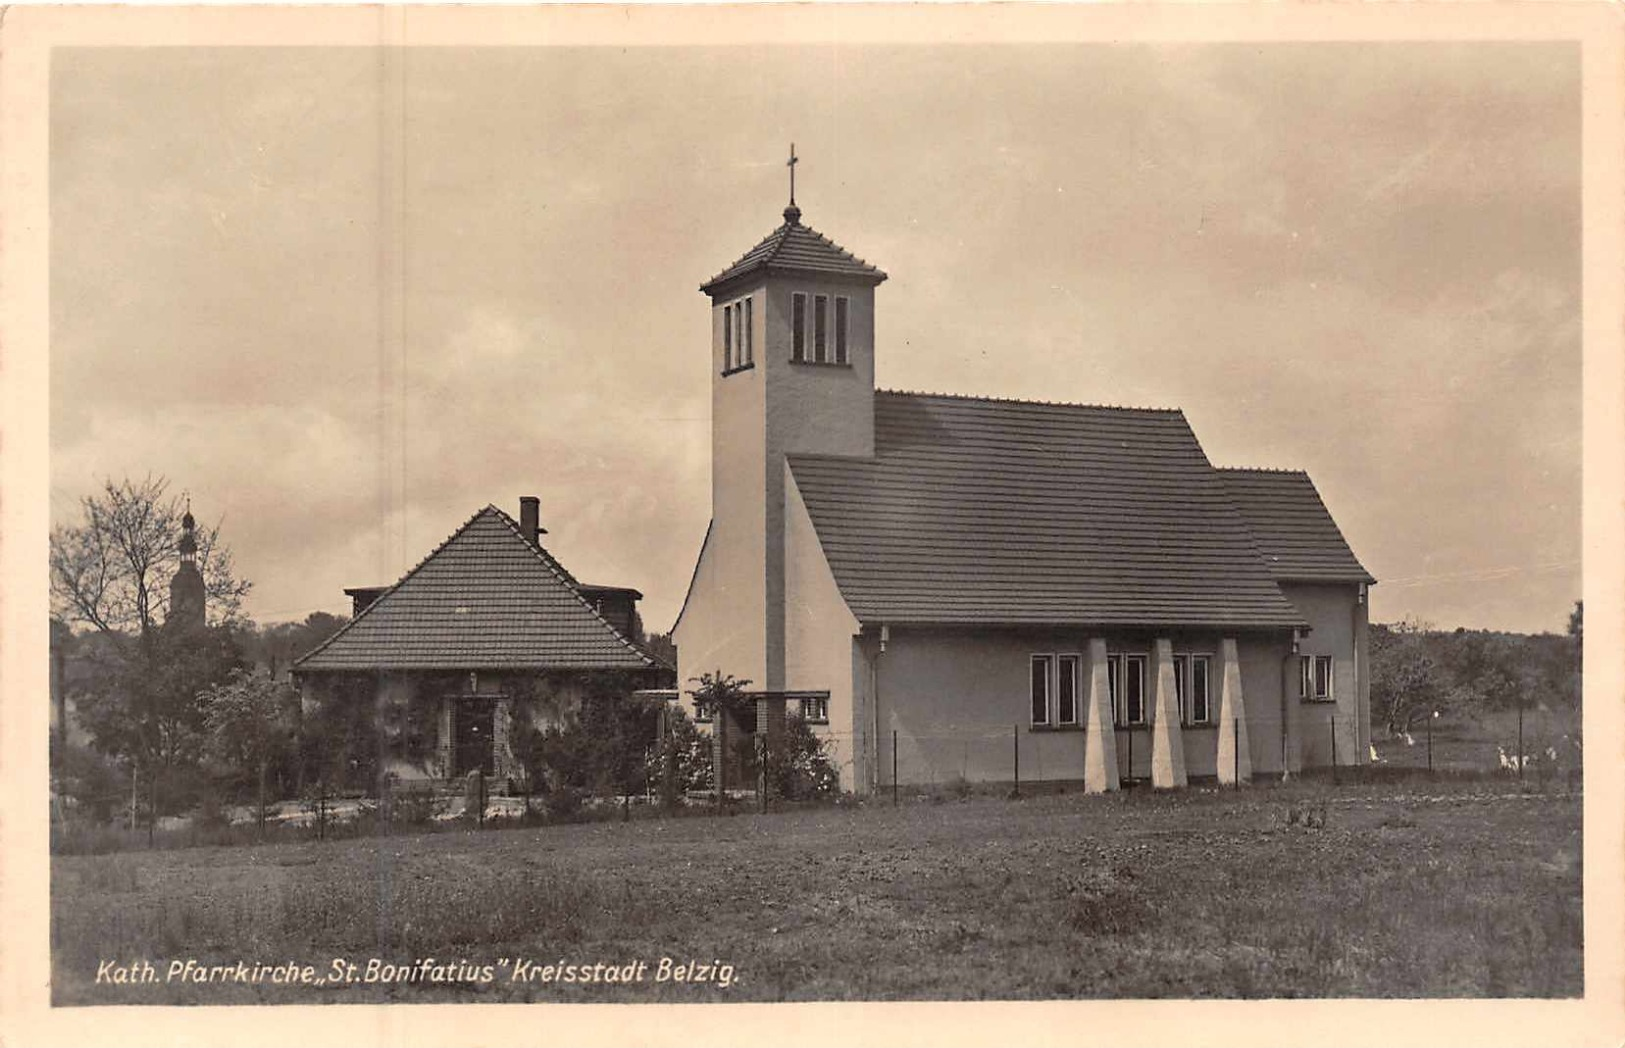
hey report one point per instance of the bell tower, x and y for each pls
(792, 373)
(186, 592)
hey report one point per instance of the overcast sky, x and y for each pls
(1357, 259)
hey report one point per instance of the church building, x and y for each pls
(956, 587)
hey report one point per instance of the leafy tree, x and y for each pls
(248, 725)
(135, 684)
(275, 647)
(139, 702)
(1407, 683)
(112, 570)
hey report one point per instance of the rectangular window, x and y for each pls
(727, 338)
(1201, 703)
(1134, 689)
(815, 709)
(842, 304)
(746, 332)
(1182, 669)
(702, 712)
(821, 328)
(1066, 692)
(1306, 670)
(1040, 688)
(1114, 686)
(1323, 678)
(798, 326)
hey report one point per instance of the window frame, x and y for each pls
(1206, 662)
(798, 327)
(1309, 667)
(1118, 665)
(727, 337)
(747, 355)
(702, 712)
(1062, 661)
(820, 322)
(1033, 678)
(815, 709)
(1328, 694)
(843, 315)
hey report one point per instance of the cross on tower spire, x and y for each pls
(792, 214)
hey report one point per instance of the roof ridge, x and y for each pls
(342, 630)
(987, 399)
(569, 580)
(1285, 470)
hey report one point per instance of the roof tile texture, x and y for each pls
(1007, 512)
(802, 249)
(486, 598)
(1296, 533)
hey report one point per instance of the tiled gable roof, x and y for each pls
(794, 247)
(1293, 528)
(485, 598)
(987, 512)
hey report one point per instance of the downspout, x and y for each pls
(874, 701)
(1362, 717)
(1287, 665)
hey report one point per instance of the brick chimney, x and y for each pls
(530, 525)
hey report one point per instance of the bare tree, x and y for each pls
(111, 572)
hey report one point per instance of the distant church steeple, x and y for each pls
(186, 610)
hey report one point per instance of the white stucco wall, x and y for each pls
(959, 702)
(819, 632)
(1337, 622)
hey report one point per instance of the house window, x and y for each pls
(746, 356)
(1201, 702)
(1191, 689)
(798, 326)
(842, 305)
(727, 338)
(1040, 688)
(1315, 683)
(1066, 691)
(702, 712)
(1126, 674)
(815, 709)
(821, 328)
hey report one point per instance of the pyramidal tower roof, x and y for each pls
(795, 248)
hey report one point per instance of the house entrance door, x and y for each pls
(472, 720)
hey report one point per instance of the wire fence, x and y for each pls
(1538, 746)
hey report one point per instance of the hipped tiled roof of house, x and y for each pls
(984, 512)
(1295, 532)
(484, 599)
(794, 247)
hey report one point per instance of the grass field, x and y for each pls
(1397, 890)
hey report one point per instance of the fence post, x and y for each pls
(1332, 722)
(761, 773)
(479, 796)
(894, 767)
(1520, 736)
(1015, 746)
